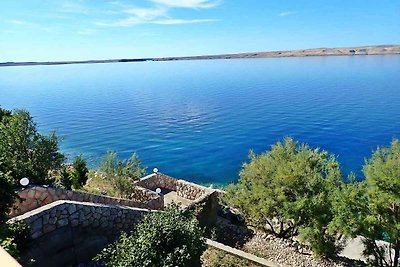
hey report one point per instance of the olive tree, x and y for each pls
(162, 239)
(287, 191)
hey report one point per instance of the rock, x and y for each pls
(71, 209)
(62, 222)
(48, 228)
(36, 234)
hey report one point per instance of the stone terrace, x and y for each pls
(173, 190)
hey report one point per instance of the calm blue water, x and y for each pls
(198, 119)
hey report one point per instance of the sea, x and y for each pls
(198, 120)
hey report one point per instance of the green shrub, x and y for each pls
(14, 237)
(79, 173)
(166, 239)
(66, 181)
(287, 191)
(7, 195)
(372, 208)
(116, 177)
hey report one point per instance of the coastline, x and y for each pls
(342, 51)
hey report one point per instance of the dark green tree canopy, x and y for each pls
(7, 195)
(162, 239)
(79, 172)
(287, 190)
(24, 151)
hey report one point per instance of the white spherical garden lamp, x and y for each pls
(24, 181)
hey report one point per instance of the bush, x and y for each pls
(287, 191)
(7, 195)
(116, 177)
(165, 239)
(79, 172)
(372, 208)
(14, 237)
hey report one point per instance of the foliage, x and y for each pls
(166, 239)
(115, 176)
(4, 113)
(14, 237)
(287, 191)
(7, 195)
(372, 208)
(63, 177)
(79, 173)
(25, 152)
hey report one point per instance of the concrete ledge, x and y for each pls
(241, 254)
(7, 260)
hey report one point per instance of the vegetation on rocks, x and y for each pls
(166, 239)
(114, 176)
(79, 172)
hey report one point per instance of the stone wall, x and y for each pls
(190, 190)
(182, 188)
(37, 196)
(66, 233)
(158, 180)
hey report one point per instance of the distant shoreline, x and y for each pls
(343, 51)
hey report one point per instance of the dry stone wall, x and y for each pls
(182, 188)
(65, 233)
(157, 180)
(190, 190)
(37, 196)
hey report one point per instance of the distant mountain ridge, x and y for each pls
(342, 51)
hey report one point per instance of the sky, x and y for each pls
(51, 30)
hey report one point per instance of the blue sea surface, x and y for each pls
(198, 120)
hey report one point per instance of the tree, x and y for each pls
(165, 239)
(64, 179)
(79, 172)
(24, 151)
(4, 113)
(287, 191)
(371, 208)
